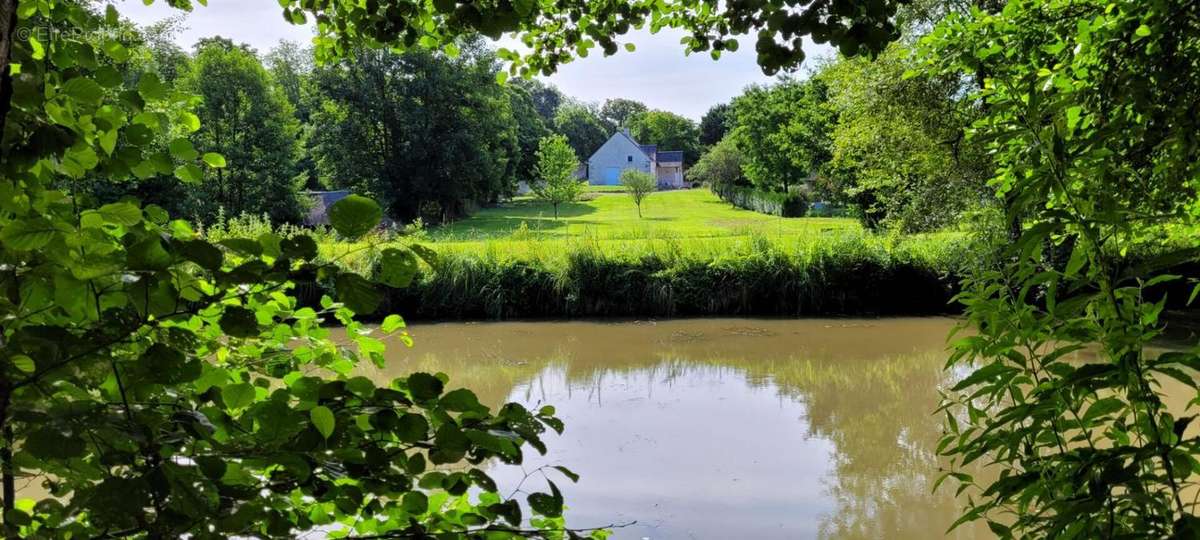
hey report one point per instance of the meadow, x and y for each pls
(691, 255)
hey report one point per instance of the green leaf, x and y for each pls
(415, 503)
(1103, 407)
(183, 149)
(238, 396)
(189, 173)
(322, 419)
(357, 293)
(392, 323)
(239, 322)
(1142, 31)
(84, 90)
(354, 216)
(27, 234)
(122, 213)
(461, 400)
(151, 88)
(214, 160)
(424, 386)
(23, 363)
(411, 428)
(397, 267)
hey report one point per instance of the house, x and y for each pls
(318, 213)
(621, 152)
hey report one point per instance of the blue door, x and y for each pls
(612, 176)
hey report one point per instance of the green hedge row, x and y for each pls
(792, 204)
(852, 277)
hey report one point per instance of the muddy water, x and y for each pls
(720, 428)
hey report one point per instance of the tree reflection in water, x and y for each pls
(863, 393)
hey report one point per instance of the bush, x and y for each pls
(791, 204)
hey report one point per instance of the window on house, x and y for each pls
(631, 159)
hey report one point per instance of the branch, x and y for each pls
(528, 533)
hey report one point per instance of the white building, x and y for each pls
(621, 152)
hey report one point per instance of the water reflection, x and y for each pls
(722, 428)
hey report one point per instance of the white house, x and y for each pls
(621, 152)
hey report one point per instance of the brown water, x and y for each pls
(721, 428)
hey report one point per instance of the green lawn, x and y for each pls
(683, 214)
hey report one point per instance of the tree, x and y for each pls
(667, 130)
(161, 380)
(556, 172)
(531, 128)
(639, 185)
(720, 166)
(782, 132)
(418, 130)
(618, 111)
(582, 128)
(247, 119)
(899, 149)
(714, 124)
(546, 98)
(1089, 112)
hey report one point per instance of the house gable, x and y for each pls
(619, 153)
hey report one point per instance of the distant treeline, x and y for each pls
(429, 134)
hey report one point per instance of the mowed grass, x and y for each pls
(676, 215)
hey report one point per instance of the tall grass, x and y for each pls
(593, 276)
(658, 273)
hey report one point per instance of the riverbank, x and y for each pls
(821, 274)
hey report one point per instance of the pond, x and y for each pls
(720, 428)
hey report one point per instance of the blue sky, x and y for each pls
(657, 73)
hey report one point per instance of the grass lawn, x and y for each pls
(677, 215)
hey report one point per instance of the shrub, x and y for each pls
(791, 204)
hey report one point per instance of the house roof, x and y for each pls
(672, 156)
(322, 200)
(649, 149)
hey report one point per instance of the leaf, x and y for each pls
(239, 322)
(84, 90)
(568, 473)
(411, 428)
(322, 419)
(357, 293)
(1103, 407)
(415, 503)
(392, 323)
(354, 216)
(189, 173)
(214, 160)
(183, 149)
(238, 396)
(461, 400)
(151, 88)
(424, 386)
(397, 267)
(122, 213)
(23, 363)
(27, 234)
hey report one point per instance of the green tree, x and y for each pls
(667, 130)
(639, 185)
(247, 119)
(581, 126)
(158, 382)
(783, 132)
(899, 146)
(556, 168)
(417, 129)
(531, 128)
(720, 166)
(714, 124)
(1089, 112)
(618, 111)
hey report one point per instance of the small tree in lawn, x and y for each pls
(638, 185)
(556, 168)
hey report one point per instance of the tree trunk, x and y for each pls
(8, 24)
